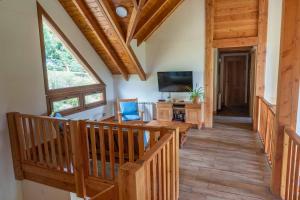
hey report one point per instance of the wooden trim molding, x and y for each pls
(64, 93)
(235, 42)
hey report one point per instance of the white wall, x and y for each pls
(273, 50)
(178, 44)
(22, 84)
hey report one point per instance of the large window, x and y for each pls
(70, 82)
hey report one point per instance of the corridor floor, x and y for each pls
(224, 163)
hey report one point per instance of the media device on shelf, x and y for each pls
(174, 81)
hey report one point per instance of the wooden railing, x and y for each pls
(42, 150)
(291, 165)
(266, 126)
(156, 174)
(86, 157)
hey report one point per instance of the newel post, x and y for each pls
(15, 145)
(77, 149)
(132, 182)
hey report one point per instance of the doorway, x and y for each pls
(234, 83)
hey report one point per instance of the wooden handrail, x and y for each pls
(266, 126)
(291, 166)
(293, 135)
(155, 175)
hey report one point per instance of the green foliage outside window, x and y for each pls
(65, 104)
(63, 69)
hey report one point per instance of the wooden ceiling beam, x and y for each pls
(153, 23)
(134, 19)
(111, 17)
(92, 23)
(135, 3)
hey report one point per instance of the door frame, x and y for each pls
(223, 55)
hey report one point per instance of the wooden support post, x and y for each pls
(15, 146)
(76, 141)
(259, 88)
(288, 85)
(209, 8)
(132, 182)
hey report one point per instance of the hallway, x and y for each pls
(224, 163)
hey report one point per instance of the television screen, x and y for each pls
(175, 81)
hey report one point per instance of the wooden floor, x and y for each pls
(224, 163)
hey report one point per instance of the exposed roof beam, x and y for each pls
(92, 22)
(156, 20)
(111, 17)
(135, 3)
(134, 19)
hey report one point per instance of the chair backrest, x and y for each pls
(119, 101)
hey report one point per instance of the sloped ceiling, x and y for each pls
(110, 35)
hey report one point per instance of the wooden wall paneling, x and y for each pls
(235, 19)
(235, 42)
(111, 18)
(209, 19)
(288, 84)
(92, 23)
(156, 19)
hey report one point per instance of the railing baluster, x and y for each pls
(111, 152)
(103, 151)
(296, 172)
(66, 148)
(159, 174)
(53, 134)
(121, 146)
(94, 149)
(58, 137)
(130, 145)
(164, 174)
(141, 142)
(288, 170)
(45, 141)
(168, 171)
(27, 143)
(148, 181)
(38, 139)
(33, 147)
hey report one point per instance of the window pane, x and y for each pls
(93, 98)
(63, 68)
(65, 104)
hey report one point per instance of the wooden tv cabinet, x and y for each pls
(193, 112)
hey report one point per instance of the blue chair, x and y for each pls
(128, 110)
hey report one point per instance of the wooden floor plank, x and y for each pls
(226, 162)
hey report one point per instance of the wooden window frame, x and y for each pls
(66, 93)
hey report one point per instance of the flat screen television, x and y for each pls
(175, 81)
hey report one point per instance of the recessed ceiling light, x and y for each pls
(121, 11)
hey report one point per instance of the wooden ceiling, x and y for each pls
(110, 35)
